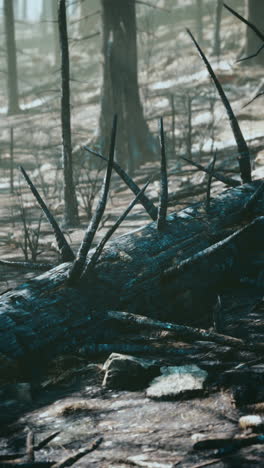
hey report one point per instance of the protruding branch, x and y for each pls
(144, 200)
(201, 259)
(217, 175)
(244, 20)
(78, 265)
(66, 252)
(27, 265)
(254, 198)
(163, 203)
(244, 156)
(111, 231)
(208, 192)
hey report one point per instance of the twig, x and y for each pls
(66, 252)
(251, 56)
(30, 447)
(144, 200)
(78, 265)
(181, 330)
(163, 203)
(244, 155)
(217, 175)
(110, 232)
(27, 265)
(69, 461)
(45, 441)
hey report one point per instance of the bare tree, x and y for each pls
(218, 17)
(12, 84)
(120, 93)
(253, 43)
(199, 20)
(56, 41)
(71, 217)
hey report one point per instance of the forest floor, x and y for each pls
(137, 431)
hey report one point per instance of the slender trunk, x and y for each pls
(199, 20)
(71, 217)
(255, 16)
(56, 40)
(12, 86)
(217, 39)
(120, 93)
(24, 11)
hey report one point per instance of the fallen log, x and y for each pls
(46, 316)
(169, 272)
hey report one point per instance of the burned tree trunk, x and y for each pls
(12, 86)
(71, 217)
(135, 273)
(120, 93)
(217, 38)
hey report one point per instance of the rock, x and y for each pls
(129, 372)
(178, 382)
(247, 384)
(251, 421)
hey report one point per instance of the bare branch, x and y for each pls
(208, 192)
(217, 175)
(251, 56)
(66, 252)
(78, 265)
(144, 200)
(111, 231)
(163, 204)
(27, 265)
(70, 460)
(244, 156)
(244, 20)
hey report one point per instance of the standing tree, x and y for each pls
(120, 92)
(56, 40)
(199, 20)
(253, 43)
(12, 86)
(218, 17)
(71, 217)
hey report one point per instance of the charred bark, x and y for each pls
(136, 272)
(71, 217)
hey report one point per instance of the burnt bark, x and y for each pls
(120, 92)
(12, 82)
(45, 316)
(217, 38)
(71, 217)
(253, 43)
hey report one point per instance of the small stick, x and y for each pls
(254, 198)
(27, 265)
(208, 192)
(244, 155)
(217, 175)
(181, 330)
(78, 265)
(30, 447)
(69, 461)
(144, 200)
(45, 441)
(65, 250)
(110, 232)
(163, 203)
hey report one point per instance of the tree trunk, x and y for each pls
(199, 20)
(255, 16)
(44, 316)
(55, 27)
(120, 93)
(71, 217)
(24, 10)
(217, 39)
(12, 85)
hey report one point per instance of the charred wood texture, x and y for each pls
(45, 316)
(71, 217)
(12, 85)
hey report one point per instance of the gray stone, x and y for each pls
(129, 372)
(178, 382)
